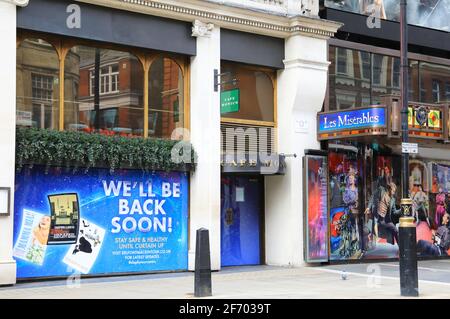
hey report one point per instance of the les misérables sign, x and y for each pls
(368, 121)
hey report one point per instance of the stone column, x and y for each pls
(8, 133)
(205, 137)
(301, 92)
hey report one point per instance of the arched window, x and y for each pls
(166, 98)
(103, 92)
(255, 92)
(37, 85)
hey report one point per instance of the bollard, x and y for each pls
(408, 257)
(202, 285)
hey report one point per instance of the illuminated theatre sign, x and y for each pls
(356, 122)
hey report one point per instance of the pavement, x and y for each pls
(348, 281)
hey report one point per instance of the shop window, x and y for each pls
(378, 69)
(103, 92)
(436, 91)
(349, 89)
(256, 92)
(447, 91)
(166, 98)
(368, 77)
(342, 60)
(431, 77)
(109, 79)
(413, 80)
(396, 72)
(37, 85)
(365, 62)
(386, 77)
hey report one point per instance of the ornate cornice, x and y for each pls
(201, 29)
(229, 17)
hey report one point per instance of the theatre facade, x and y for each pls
(128, 125)
(356, 176)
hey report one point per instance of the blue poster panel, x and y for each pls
(355, 119)
(96, 223)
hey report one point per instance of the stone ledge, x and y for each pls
(234, 18)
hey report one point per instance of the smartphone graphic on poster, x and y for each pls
(65, 218)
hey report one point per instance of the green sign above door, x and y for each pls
(229, 101)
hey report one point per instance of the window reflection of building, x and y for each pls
(42, 92)
(349, 87)
(434, 78)
(120, 98)
(166, 94)
(37, 84)
(109, 79)
(256, 92)
(103, 88)
(352, 88)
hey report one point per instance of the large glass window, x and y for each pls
(365, 78)
(104, 89)
(166, 98)
(386, 77)
(256, 92)
(349, 86)
(433, 14)
(413, 80)
(433, 79)
(37, 85)
(103, 92)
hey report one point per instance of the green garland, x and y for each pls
(83, 150)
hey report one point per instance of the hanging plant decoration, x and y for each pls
(75, 150)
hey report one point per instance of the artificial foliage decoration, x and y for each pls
(72, 149)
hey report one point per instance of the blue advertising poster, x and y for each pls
(94, 223)
(370, 117)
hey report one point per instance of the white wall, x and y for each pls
(301, 92)
(205, 137)
(7, 134)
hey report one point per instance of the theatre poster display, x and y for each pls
(382, 209)
(364, 197)
(344, 176)
(316, 201)
(99, 223)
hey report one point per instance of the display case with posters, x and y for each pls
(315, 181)
(345, 203)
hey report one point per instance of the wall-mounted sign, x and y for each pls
(367, 121)
(352, 119)
(264, 164)
(229, 101)
(410, 148)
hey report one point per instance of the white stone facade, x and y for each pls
(301, 87)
